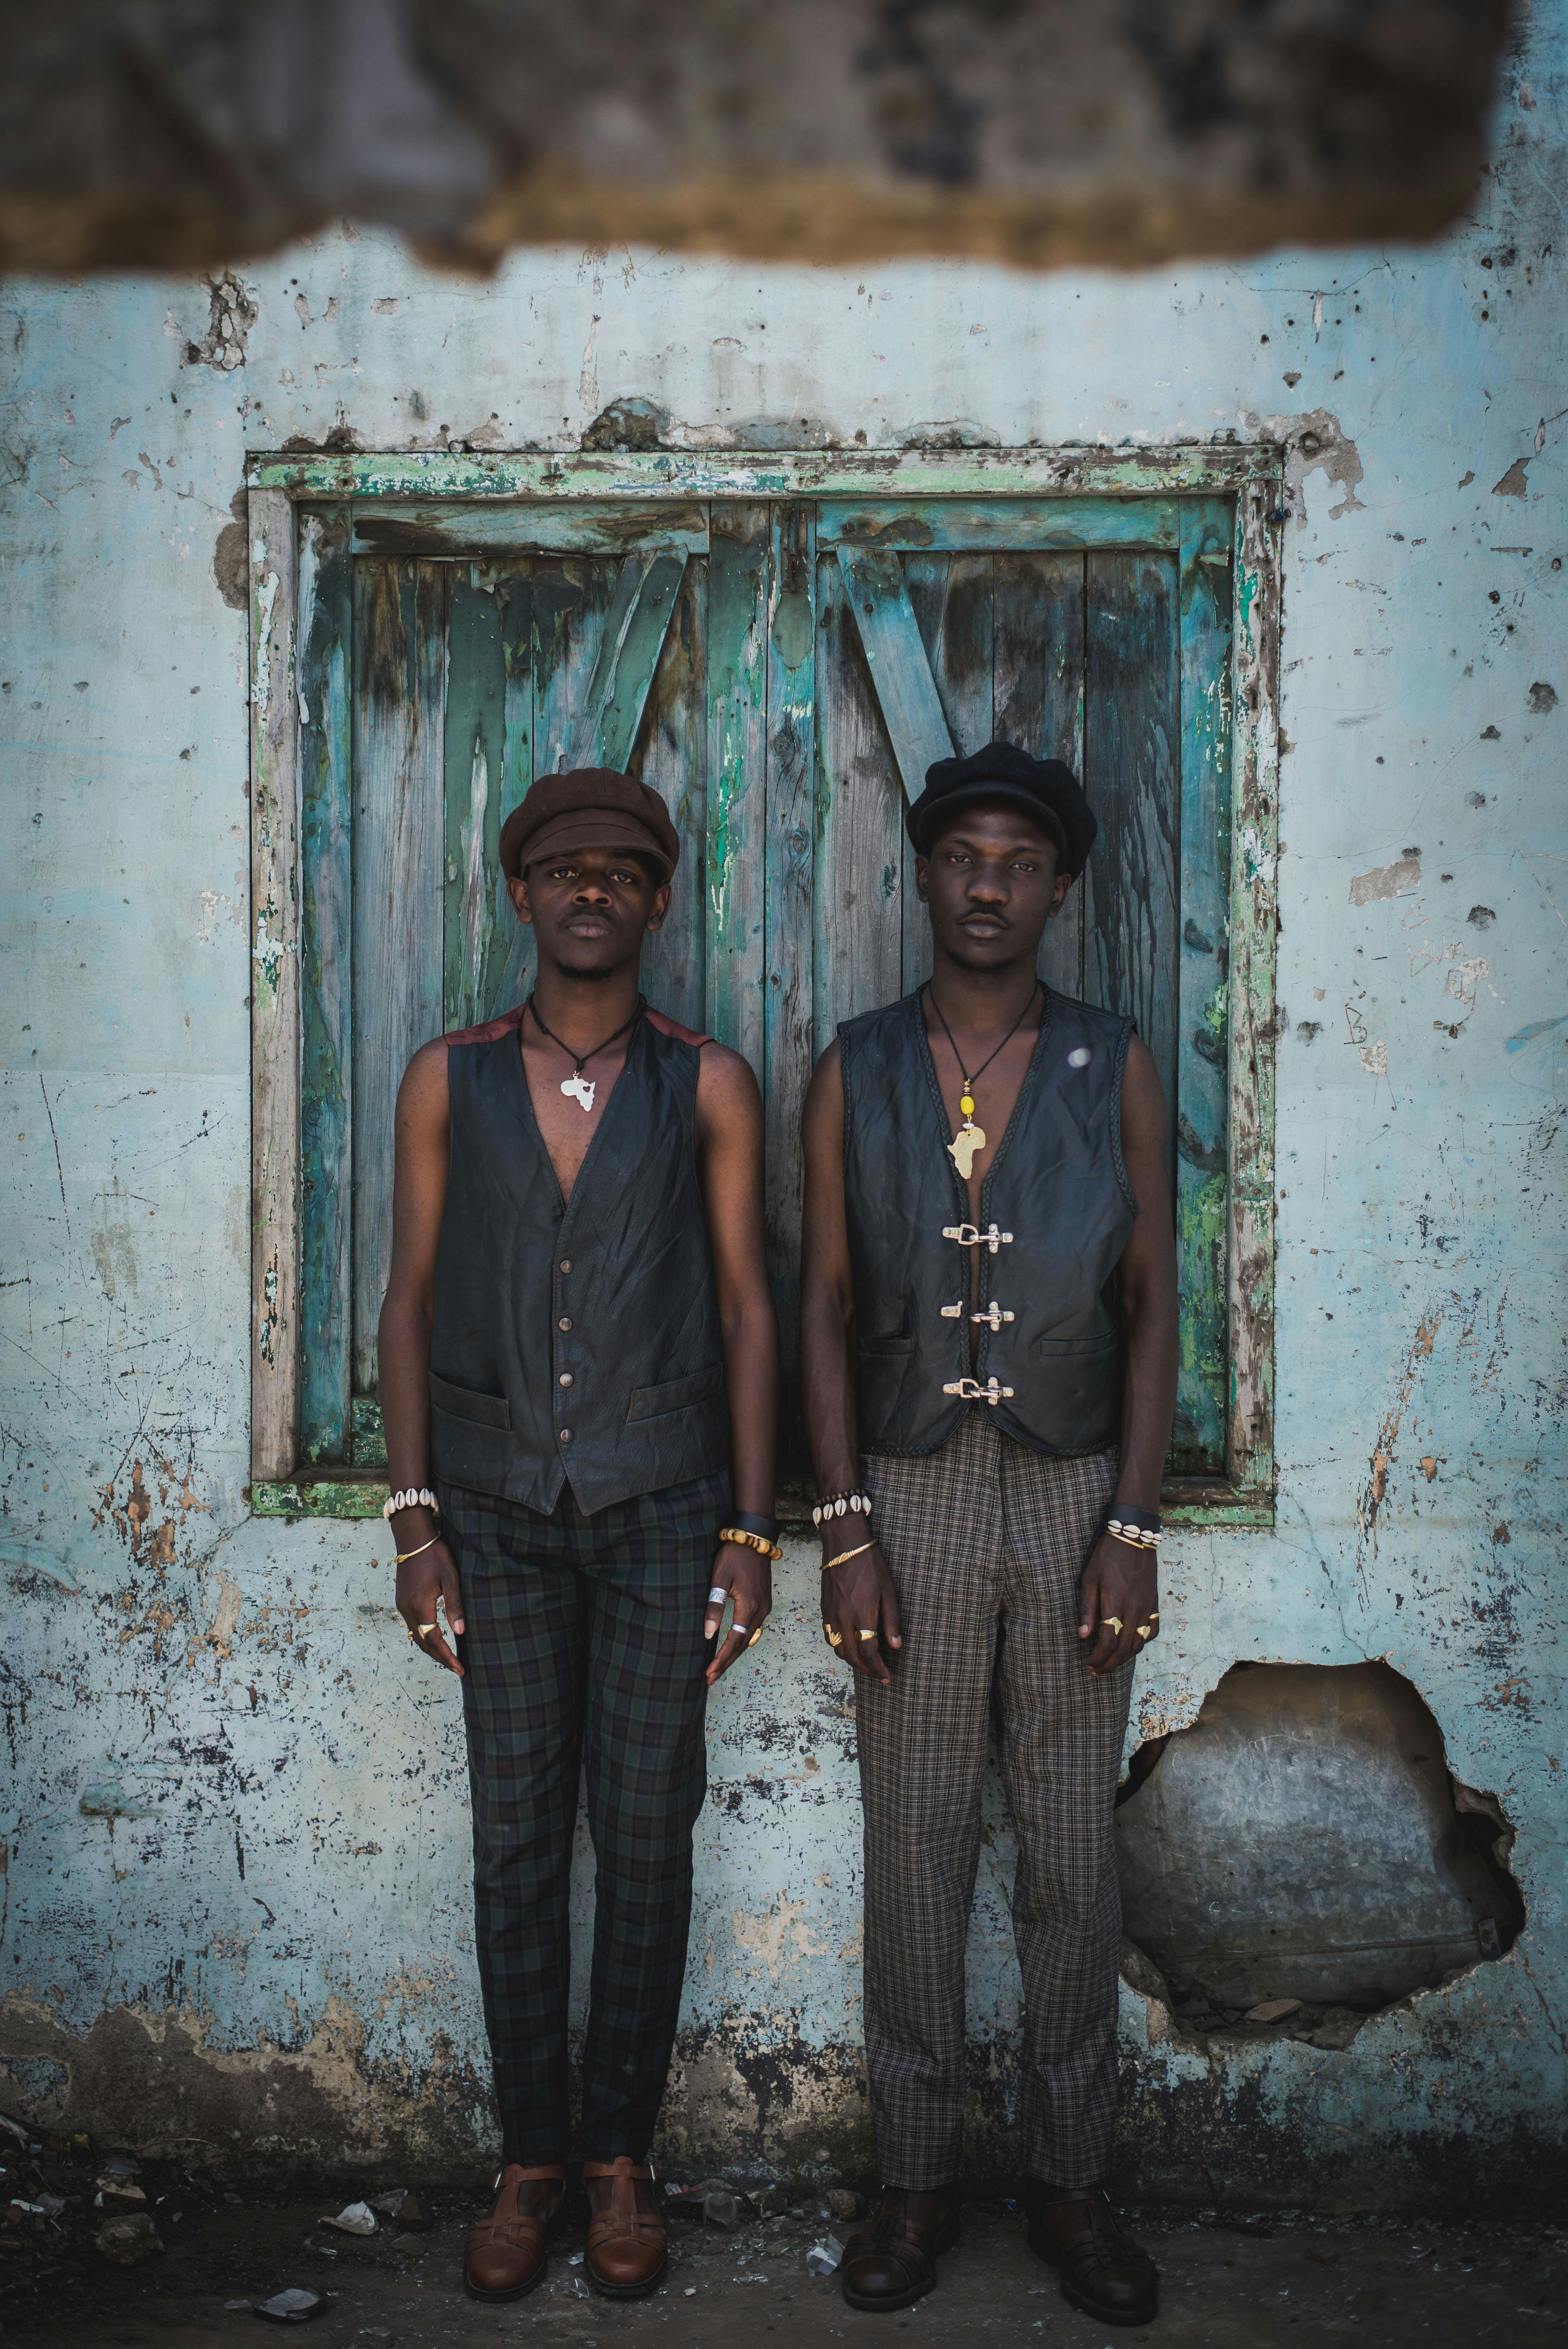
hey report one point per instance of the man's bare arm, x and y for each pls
(418, 1198)
(729, 1158)
(1119, 1582)
(859, 1596)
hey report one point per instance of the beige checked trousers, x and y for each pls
(986, 1542)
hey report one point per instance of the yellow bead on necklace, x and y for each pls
(966, 1104)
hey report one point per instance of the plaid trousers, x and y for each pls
(986, 1542)
(583, 1647)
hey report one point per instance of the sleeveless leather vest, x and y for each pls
(1057, 1204)
(575, 1340)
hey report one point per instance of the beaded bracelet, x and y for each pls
(407, 1499)
(840, 1505)
(749, 1541)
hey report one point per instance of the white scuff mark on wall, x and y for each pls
(588, 381)
(213, 903)
(1374, 1058)
(764, 1937)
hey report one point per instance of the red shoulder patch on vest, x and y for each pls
(491, 1032)
(673, 1028)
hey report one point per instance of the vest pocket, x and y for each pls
(464, 1402)
(1058, 1349)
(675, 1395)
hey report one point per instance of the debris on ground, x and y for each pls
(715, 2198)
(1338, 2027)
(354, 2219)
(1273, 2010)
(824, 2257)
(405, 2207)
(843, 2202)
(112, 2187)
(126, 2240)
(291, 2307)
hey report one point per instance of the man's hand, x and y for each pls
(748, 1577)
(860, 1603)
(425, 1583)
(1120, 1584)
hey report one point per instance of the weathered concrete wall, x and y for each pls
(236, 1889)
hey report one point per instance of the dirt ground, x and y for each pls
(1227, 2279)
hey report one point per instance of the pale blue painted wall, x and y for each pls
(284, 1890)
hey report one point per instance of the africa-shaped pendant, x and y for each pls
(967, 1145)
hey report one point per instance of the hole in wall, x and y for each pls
(1305, 1841)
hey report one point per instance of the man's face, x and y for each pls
(590, 907)
(992, 884)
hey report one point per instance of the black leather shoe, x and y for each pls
(1103, 2270)
(892, 2262)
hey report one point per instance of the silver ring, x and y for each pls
(715, 1597)
(741, 1628)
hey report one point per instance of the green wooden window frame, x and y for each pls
(824, 540)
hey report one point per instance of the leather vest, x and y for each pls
(1056, 1207)
(575, 1341)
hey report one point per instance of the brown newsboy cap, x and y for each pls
(591, 807)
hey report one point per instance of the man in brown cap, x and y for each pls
(579, 1356)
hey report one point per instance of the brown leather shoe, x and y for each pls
(1103, 2270)
(505, 2254)
(627, 2250)
(892, 2261)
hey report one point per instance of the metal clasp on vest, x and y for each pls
(971, 1236)
(973, 1391)
(993, 1316)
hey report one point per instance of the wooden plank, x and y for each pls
(1254, 929)
(513, 587)
(788, 834)
(523, 527)
(274, 989)
(1200, 1108)
(475, 936)
(1037, 688)
(1132, 764)
(735, 915)
(671, 756)
(857, 933)
(400, 638)
(1066, 469)
(326, 992)
(630, 643)
(950, 596)
(931, 525)
(905, 689)
(568, 599)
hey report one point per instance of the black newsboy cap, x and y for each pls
(1043, 788)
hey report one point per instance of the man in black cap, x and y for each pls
(579, 1379)
(988, 1333)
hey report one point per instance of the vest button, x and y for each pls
(564, 1323)
(566, 1435)
(566, 1264)
(566, 1378)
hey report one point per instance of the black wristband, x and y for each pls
(764, 1528)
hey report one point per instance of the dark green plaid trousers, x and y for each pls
(583, 1649)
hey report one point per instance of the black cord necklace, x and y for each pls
(970, 1138)
(575, 1087)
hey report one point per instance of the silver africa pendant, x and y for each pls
(579, 1089)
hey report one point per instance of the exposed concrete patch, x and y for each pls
(234, 314)
(1315, 442)
(232, 556)
(1396, 880)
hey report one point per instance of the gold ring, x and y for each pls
(871, 1634)
(1112, 1621)
(755, 1637)
(425, 1630)
(835, 1636)
(1143, 1630)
